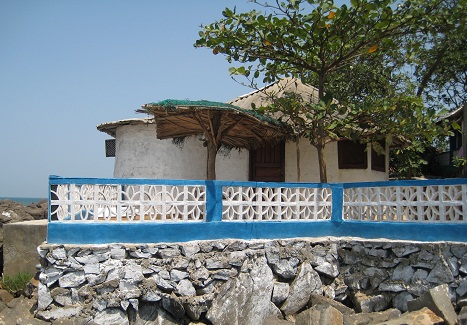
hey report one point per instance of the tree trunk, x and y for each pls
(323, 178)
(211, 162)
(297, 149)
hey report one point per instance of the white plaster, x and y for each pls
(139, 154)
(309, 166)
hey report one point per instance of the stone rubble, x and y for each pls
(293, 281)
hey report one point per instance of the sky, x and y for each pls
(67, 66)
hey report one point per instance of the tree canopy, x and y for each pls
(358, 55)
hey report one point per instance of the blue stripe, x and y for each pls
(100, 233)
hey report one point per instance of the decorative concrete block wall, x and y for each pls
(217, 281)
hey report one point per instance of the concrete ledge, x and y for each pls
(20, 241)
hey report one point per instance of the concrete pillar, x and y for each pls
(20, 241)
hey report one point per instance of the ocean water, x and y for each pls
(23, 200)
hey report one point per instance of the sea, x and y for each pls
(23, 200)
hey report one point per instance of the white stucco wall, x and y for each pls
(309, 169)
(139, 154)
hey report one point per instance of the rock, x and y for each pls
(5, 296)
(403, 273)
(110, 316)
(185, 288)
(44, 297)
(61, 296)
(437, 300)
(462, 288)
(59, 312)
(440, 274)
(305, 283)
(462, 317)
(463, 266)
(168, 253)
(328, 267)
(320, 300)
(196, 306)
(392, 286)
(286, 268)
(246, 298)
(11, 211)
(190, 249)
(368, 304)
(129, 289)
(217, 263)
(72, 279)
(371, 318)
(151, 314)
(163, 283)
(273, 320)
(19, 312)
(176, 275)
(320, 314)
(423, 316)
(280, 292)
(400, 301)
(173, 306)
(117, 253)
(405, 250)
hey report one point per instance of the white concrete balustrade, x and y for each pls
(127, 200)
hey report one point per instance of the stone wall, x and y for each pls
(242, 282)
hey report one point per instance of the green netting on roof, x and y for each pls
(173, 104)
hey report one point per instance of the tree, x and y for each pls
(438, 57)
(318, 42)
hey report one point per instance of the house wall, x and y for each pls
(140, 154)
(309, 167)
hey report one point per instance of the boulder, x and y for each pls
(246, 298)
(111, 316)
(423, 316)
(321, 300)
(437, 300)
(320, 314)
(367, 304)
(305, 283)
(371, 318)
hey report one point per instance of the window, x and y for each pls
(351, 155)
(378, 162)
(110, 148)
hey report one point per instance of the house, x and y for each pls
(138, 152)
(442, 164)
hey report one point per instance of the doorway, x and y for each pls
(267, 163)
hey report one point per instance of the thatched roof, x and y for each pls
(236, 127)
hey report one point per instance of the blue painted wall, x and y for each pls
(213, 228)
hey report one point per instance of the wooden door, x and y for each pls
(267, 163)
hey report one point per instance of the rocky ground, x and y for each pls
(431, 308)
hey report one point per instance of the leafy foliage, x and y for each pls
(355, 53)
(15, 283)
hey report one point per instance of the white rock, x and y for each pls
(44, 298)
(72, 279)
(185, 288)
(306, 283)
(111, 316)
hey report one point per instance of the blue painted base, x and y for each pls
(145, 232)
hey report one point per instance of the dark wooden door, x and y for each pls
(267, 163)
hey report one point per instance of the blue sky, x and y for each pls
(67, 66)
